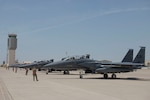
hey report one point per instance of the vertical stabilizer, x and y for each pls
(140, 57)
(129, 56)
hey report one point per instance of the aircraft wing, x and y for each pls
(121, 64)
(36, 64)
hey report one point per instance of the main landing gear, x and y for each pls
(81, 74)
(105, 76)
(66, 72)
(48, 70)
(113, 76)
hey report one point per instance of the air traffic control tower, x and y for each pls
(12, 45)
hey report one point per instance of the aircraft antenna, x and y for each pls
(66, 53)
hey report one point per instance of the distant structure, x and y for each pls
(147, 63)
(105, 61)
(12, 45)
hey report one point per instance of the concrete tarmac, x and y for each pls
(56, 86)
(4, 93)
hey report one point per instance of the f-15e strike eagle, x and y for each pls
(95, 66)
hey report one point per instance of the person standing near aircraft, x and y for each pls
(16, 70)
(34, 74)
(26, 71)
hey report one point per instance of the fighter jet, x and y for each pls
(15, 66)
(70, 63)
(18, 65)
(82, 63)
(37, 64)
(123, 67)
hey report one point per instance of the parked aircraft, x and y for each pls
(36, 64)
(15, 66)
(84, 63)
(70, 63)
(113, 68)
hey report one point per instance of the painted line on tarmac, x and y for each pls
(4, 93)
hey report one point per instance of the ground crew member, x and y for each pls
(34, 74)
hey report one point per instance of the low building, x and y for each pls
(26, 62)
(147, 63)
(105, 61)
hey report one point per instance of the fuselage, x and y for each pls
(71, 64)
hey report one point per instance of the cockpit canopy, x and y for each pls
(76, 57)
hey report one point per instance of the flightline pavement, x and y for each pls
(56, 86)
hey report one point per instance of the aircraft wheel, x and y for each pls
(113, 75)
(66, 72)
(81, 76)
(49, 70)
(105, 76)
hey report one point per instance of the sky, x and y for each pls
(53, 29)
